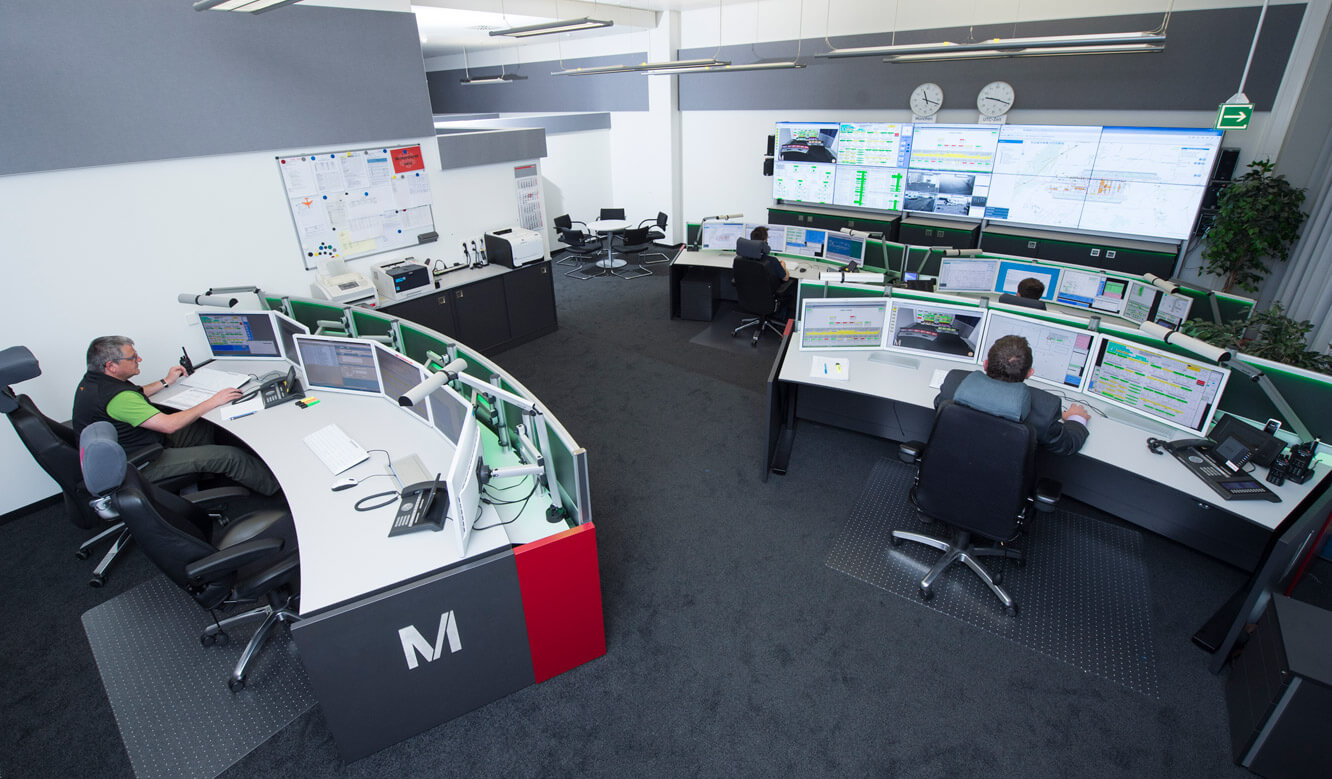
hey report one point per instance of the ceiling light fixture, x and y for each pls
(1033, 51)
(552, 28)
(241, 6)
(503, 78)
(670, 66)
(789, 65)
(1082, 44)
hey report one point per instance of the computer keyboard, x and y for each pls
(335, 449)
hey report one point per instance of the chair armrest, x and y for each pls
(147, 454)
(203, 497)
(270, 578)
(231, 559)
(910, 451)
(1048, 493)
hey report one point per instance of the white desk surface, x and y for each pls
(806, 268)
(609, 225)
(346, 553)
(1118, 439)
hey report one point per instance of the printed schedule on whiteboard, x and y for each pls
(349, 204)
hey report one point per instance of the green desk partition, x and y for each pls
(369, 323)
(310, 313)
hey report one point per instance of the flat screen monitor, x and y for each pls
(1040, 174)
(1172, 310)
(1180, 392)
(1059, 353)
(339, 364)
(722, 235)
(935, 329)
(843, 323)
(1011, 273)
(805, 166)
(1149, 180)
(805, 241)
(288, 329)
(463, 482)
(237, 334)
(841, 247)
(950, 168)
(1140, 301)
(399, 374)
(449, 410)
(967, 274)
(1094, 291)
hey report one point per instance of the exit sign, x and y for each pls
(1234, 116)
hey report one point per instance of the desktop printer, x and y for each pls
(334, 282)
(399, 280)
(514, 247)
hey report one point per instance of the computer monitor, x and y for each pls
(935, 330)
(339, 364)
(463, 482)
(1011, 273)
(1172, 310)
(240, 334)
(841, 247)
(843, 323)
(967, 274)
(288, 329)
(1140, 301)
(399, 374)
(1095, 291)
(449, 410)
(806, 241)
(722, 235)
(1178, 391)
(1059, 353)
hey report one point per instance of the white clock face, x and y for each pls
(926, 99)
(995, 98)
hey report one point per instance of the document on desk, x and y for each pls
(186, 398)
(835, 368)
(937, 378)
(212, 379)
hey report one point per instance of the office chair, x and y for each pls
(565, 222)
(252, 558)
(659, 234)
(582, 250)
(635, 241)
(1017, 300)
(611, 213)
(55, 448)
(977, 475)
(754, 289)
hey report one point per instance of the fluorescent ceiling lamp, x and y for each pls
(673, 66)
(241, 6)
(1034, 51)
(503, 78)
(551, 28)
(1004, 44)
(733, 68)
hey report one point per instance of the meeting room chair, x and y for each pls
(611, 213)
(636, 244)
(656, 228)
(977, 475)
(250, 559)
(54, 447)
(755, 293)
(566, 222)
(582, 250)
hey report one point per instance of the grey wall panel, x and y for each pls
(465, 148)
(95, 83)
(1200, 68)
(542, 91)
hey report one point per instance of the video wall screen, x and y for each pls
(1139, 181)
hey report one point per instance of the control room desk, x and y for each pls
(1114, 471)
(713, 267)
(400, 634)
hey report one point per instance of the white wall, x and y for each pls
(577, 176)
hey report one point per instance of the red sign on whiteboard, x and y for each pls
(407, 158)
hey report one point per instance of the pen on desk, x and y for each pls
(246, 414)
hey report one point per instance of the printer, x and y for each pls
(514, 247)
(336, 283)
(399, 280)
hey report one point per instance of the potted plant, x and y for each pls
(1270, 334)
(1258, 217)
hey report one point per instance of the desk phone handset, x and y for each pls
(276, 388)
(424, 506)
(1220, 466)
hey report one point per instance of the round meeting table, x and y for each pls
(607, 228)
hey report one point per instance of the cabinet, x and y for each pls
(530, 294)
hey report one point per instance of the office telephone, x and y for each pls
(424, 506)
(276, 388)
(1220, 467)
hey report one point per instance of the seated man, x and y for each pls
(106, 393)
(781, 279)
(1029, 292)
(1000, 391)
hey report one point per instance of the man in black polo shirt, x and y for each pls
(106, 393)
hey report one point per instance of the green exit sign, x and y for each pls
(1234, 116)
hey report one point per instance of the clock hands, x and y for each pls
(999, 100)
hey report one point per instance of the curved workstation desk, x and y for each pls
(398, 634)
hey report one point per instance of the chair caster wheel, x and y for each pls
(926, 593)
(997, 578)
(1011, 610)
(235, 685)
(97, 580)
(214, 639)
(83, 554)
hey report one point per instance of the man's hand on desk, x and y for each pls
(1076, 412)
(175, 374)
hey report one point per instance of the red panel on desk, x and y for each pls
(561, 590)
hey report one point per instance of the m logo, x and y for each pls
(413, 643)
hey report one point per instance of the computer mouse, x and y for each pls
(345, 483)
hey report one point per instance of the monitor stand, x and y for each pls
(898, 360)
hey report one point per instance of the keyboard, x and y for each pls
(335, 449)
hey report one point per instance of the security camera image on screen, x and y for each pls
(240, 335)
(399, 375)
(940, 330)
(339, 364)
(807, 143)
(940, 193)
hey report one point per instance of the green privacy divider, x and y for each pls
(308, 312)
(274, 303)
(367, 323)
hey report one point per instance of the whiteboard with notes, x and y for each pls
(349, 204)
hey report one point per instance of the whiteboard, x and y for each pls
(355, 203)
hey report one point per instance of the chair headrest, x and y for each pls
(1010, 400)
(748, 247)
(16, 364)
(102, 458)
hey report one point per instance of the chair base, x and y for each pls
(759, 324)
(120, 538)
(582, 272)
(960, 549)
(631, 272)
(273, 614)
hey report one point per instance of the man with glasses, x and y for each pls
(106, 393)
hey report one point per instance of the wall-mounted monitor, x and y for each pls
(950, 168)
(1011, 273)
(1180, 392)
(398, 374)
(1040, 174)
(872, 165)
(967, 274)
(1094, 291)
(804, 169)
(1059, 354)
(841, 247)
(241, 334)
(843, 323)
(339, 364)
(935, 329)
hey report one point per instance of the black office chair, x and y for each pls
(55, 448)
(977, 474)
(611, 213)
(755, 291)
(1017, 300)
(583, 250)
(659, 234)
(252, 558)
(566, 223)
(635, 242)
